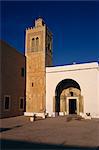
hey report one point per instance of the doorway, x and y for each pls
(63, 85)
(72, 106)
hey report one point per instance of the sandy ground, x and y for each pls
(50, 133)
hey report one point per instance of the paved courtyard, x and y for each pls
(51, 133)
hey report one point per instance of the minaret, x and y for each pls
(38, 52)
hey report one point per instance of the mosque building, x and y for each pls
(59, 90)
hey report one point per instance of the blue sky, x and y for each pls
(75, 27)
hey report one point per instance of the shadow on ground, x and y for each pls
(5, 129)
(20, 145)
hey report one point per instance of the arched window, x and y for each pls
(37, 44)
(33, 44)
(71, 93)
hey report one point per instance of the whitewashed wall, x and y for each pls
(86, 75)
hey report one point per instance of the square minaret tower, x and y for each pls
(38, 52)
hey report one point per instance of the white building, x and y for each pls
(73, 89)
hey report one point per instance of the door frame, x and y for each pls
(77, 104)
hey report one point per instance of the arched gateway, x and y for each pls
(68, 98)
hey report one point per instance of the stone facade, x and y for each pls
(12, 82)
(38, 52)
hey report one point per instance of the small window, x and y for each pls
(21, 103)
(49, 46)
(37, 38)
(71, 93)
(37, 44)
(22, 72)
(6, 102)
(50, 51)
(32, 84)
(33, 44)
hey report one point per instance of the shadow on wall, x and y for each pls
(12, 144)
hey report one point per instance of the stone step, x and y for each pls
(74, 117)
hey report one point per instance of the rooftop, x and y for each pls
(74, 66)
